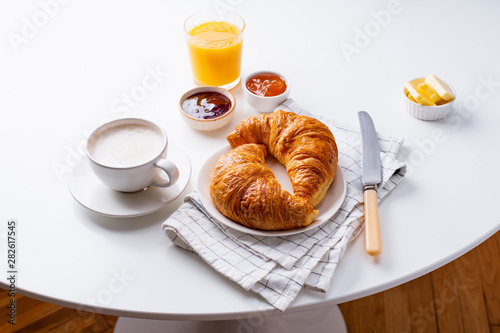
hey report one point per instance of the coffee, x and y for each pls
(125, 145)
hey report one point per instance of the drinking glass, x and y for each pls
(215, 42)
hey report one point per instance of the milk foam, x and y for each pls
(126, 145)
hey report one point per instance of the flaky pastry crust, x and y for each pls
(244, 189)
(304, 145)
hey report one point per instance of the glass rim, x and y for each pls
(214, 11)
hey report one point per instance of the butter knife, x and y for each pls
(371, 177)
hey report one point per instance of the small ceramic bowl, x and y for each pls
(265, 104)
(427, 112)
(213, 123)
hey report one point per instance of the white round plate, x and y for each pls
(328, 207)
(91, 193)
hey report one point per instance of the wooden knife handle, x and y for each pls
(372, 232)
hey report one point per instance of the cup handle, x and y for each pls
(170, 169)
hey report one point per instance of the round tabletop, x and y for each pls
(68, 66)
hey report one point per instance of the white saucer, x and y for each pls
(92, 194)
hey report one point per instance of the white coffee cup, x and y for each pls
(129, 155)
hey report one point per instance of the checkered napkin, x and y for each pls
(277, 268)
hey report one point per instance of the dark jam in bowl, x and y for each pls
(206, 105)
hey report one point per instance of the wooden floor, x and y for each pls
(463, 296)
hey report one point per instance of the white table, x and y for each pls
(78, 61)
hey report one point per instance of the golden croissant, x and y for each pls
(304, 145)
(244, 189)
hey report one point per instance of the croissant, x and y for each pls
(244, 189)
(304, 145)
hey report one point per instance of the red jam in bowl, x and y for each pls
(266, 84)
(206, 105)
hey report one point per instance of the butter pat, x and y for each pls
(440, 87)
(433, 95)
(410, 97)
(418, 94)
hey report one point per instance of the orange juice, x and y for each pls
(215, 49)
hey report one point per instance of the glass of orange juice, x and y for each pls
(215, 42)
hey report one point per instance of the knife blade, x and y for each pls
(371, 177)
